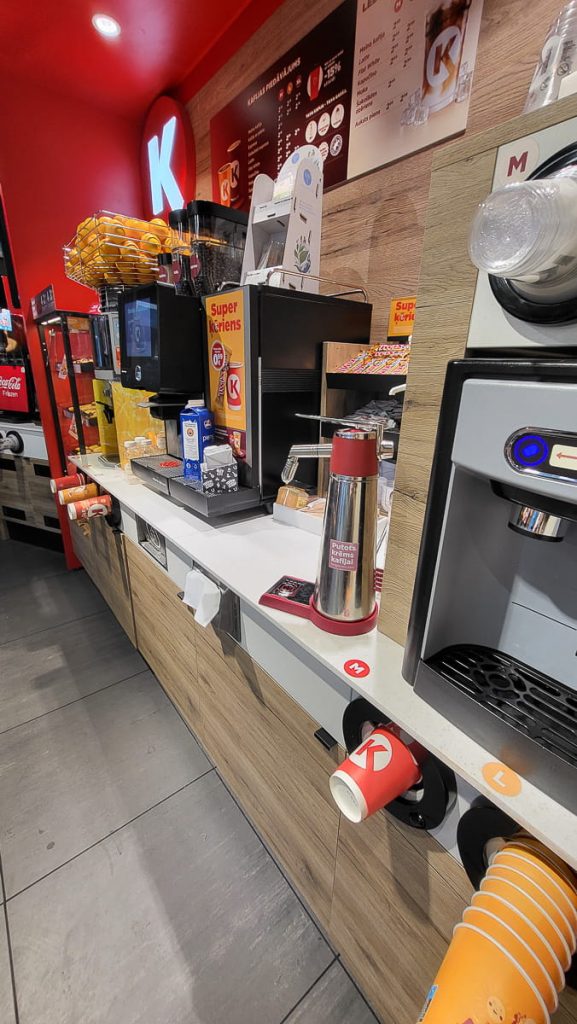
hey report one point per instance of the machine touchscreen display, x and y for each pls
(141, 322)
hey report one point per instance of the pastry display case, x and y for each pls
(67, 348)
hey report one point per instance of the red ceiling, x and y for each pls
(53, 45)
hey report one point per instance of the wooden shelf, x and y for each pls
(364, 381)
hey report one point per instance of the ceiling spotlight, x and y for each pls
(106, 25)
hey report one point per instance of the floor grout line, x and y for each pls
(270, 852)
(103, 839)
(359, 990)
(68, 622)
(275, 860)
(308, 991)
(76, 700)
(9, 944)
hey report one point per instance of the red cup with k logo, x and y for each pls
(380, 769)
(234, 385)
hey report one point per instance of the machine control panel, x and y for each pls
(549, 453)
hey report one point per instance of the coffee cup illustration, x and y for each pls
(225, 184)
(445, 29)
(314, 82)
(234, 385)
(233, 153)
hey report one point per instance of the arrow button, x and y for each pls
(564, 456)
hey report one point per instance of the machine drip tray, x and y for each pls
(529, 701)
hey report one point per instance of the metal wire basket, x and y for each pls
(113, 249)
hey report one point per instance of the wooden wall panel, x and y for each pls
(373, 227)
(374, 230)
(462, 176)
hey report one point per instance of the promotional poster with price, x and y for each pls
(226, 368)
(373, 82)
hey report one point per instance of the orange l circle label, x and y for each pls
(501, 779)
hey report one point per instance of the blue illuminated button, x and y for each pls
(530, 450)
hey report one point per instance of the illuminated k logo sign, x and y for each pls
(162, 179)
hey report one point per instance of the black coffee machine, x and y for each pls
(161, 341)
(278, 369)
(161, 326)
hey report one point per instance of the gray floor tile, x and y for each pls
(72, 777)
(22, 563)
(334, 998)
(6, 996)
(181, 918)
(43, 603)
(46, 670)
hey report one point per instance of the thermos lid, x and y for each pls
(354, 453)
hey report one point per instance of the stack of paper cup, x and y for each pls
(61, 483)
(79, 493)
(90, 508)
(509, 954)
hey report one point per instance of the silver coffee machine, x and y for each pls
(493, 632)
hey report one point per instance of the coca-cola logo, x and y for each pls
(13, 394)
(12, 384)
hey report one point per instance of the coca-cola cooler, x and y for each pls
(27, 510)
(17, 397)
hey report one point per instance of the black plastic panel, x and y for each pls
(529, 701)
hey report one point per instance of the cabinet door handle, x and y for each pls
(325, 738)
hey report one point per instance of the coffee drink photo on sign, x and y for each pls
(445, 27)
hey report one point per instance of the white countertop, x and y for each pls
(249, 556)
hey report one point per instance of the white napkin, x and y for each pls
(218, 455)
(203, 595)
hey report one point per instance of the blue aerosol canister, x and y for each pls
(197, 431)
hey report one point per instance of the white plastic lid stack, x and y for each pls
(556, 59)
(527, 232)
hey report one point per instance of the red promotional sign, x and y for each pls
(13, 390)
(168, 158)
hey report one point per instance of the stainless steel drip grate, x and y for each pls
(531, 702)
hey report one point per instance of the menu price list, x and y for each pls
(305, 97)
(412, 76)
(373, 82)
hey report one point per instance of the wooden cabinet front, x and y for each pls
(102, 552)
(25, 495)
(393, 912)
(264, 746)
(165, 633)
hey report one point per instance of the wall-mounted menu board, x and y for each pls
(373, 82)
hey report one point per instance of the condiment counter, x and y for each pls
(236, 697)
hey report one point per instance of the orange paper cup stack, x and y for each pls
(508, 956)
